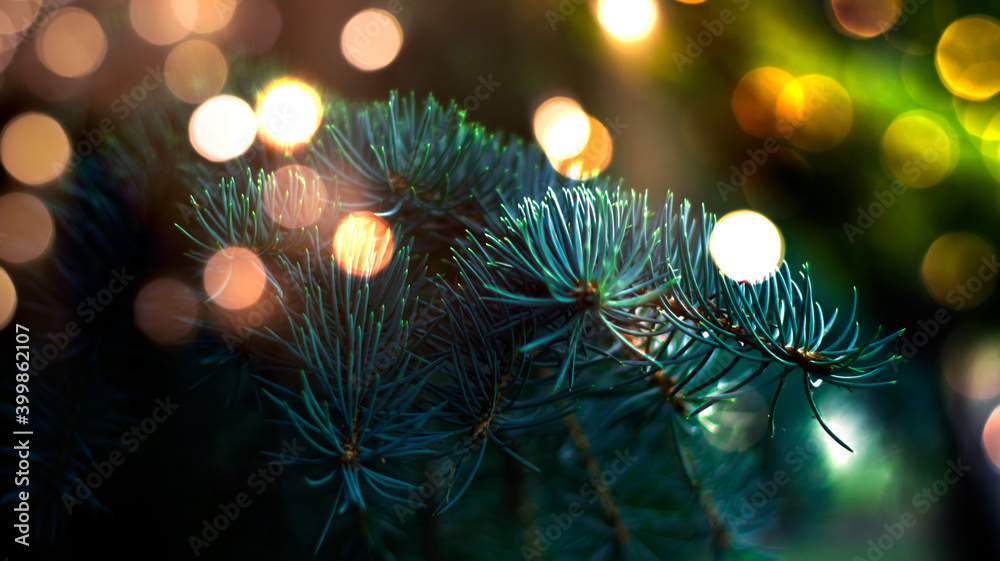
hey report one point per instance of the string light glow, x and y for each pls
(8, 299)
(295, 197)
(952, 270)
(157, 22)
(991, 437)
(195, 71)
(363, 244)
(814, 113)
(28, 227)
(593, 158)
(562, 128)
(371, 39)
(746, 246)
(235, 278)
(917, 151)
(222, 128)
(34, 148)
(204, 16)
(968, 57)
(627, 20)
(289, 112)
(755, 100)
(864, 18)
(72, 43)
(165, 310)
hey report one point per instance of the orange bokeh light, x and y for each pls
(235, 278)
(363, 244)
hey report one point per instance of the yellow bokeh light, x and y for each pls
(295, 196)
(968, 57)
(746, 246)
(991, 437)
(979, 118)
(195, 71)
(204, 16)
(156, 22)
(918, 151)
(972, 365)
(691, 1)
(755, 100)
(235, 278)
(864, 18)
(958, 271)
(627, 20)
(222, 128)
(814, 113)
(363, 244)
(8, 299)
(289, 112)
(592, 159)
(371, 39)
(166, 310)
(26, 227)
(34, 148)
(562, 128)
(72, 44)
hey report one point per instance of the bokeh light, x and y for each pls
(979, 118)
(26, 228)
(157, 22)
(736, 424)
(72, 44)
(295, 196)
(204, 16)
(222, 128)
(195, 71)
(235, 278)
(850, 429)
(593, 158)
(8, 299)
(627, 20)
(289, 112)
(991, 437)
(968, 57)
(972, 364)
(562, 128)
(255, 27)
(755, 100)
(746, 246)
(864, 18)
(34, 148)
(958, 271)
(371, 39)
(17, 15)
(363, 244)
(917, 150)
(166, 310)
(814, 113)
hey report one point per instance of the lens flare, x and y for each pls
(371, 39)
(627, 20)
(289, 112)
(746, 246)
(295, 196)
(363, 244)
(166, 310)
(222, 128)
(968, 57)
(34, 148)
(26, 228)
(235, 278)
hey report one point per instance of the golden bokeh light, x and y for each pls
(562, 128)
(755, 100)
(26, 228)
(371, 39)
(968, 57)
(592, 159)
(958, 270)
(864, 18)
(72, 44)
(736, 424)
(204, 16)
(917, 150)
(746, 246)
(991, 437)
(295, 196)
(8, 299)
(979, 118)
(235, 278)
(691, 1)
(222, 128)
(157, 22)
(34, 148)
(814, 113)
(195, 71)
(627, 20)
(17, 15)
(363, 244)
(972, 364)
(289, 112)
(166, 310)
